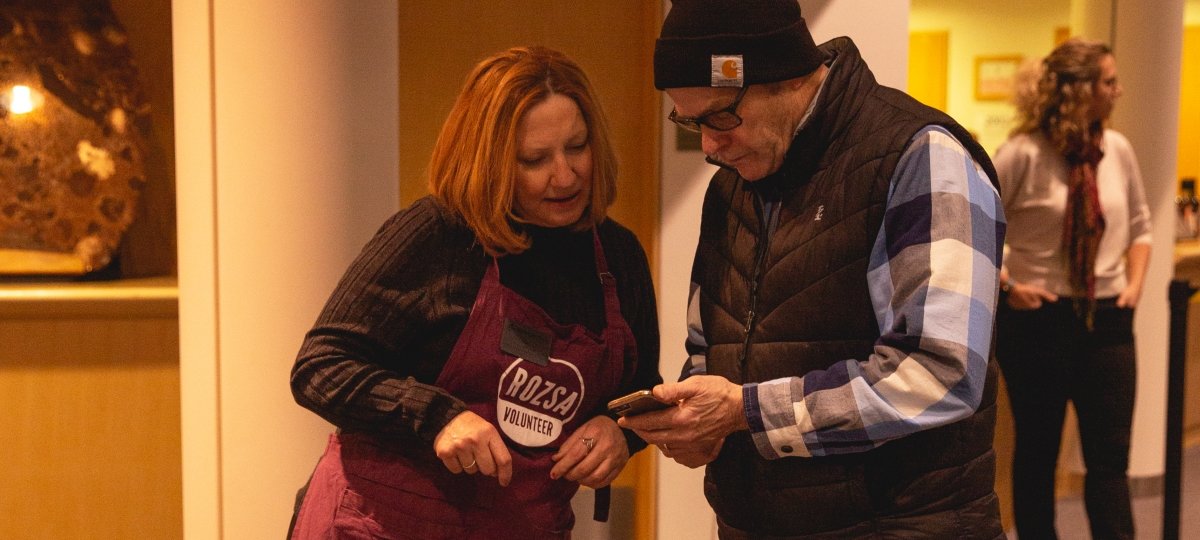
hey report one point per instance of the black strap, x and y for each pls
(603, 501)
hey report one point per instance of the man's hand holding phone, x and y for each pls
(635, 403)
(706, 408)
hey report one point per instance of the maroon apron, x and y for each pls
(551, 380)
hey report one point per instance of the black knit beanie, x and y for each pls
(733, 43)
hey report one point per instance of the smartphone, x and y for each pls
(641, 401)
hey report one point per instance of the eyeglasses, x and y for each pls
(722, 120)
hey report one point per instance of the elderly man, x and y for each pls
(844, 290)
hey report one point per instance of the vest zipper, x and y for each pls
(768, 213)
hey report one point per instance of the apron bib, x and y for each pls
(536, 380)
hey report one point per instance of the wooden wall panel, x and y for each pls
(91, 413)
(149, 247)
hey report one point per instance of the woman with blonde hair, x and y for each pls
(467, 355)
(1075, 261)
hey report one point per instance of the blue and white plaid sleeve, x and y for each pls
(696, 345)
(933, 282)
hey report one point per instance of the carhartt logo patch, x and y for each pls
(727, 70)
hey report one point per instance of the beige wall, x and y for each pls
(286, 135)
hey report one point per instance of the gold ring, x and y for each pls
(469, 465)
(589, 443)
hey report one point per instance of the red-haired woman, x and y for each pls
(467, 355)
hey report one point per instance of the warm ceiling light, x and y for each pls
(20, 99)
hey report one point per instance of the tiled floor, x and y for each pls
(1147, 511)
(1072, 521)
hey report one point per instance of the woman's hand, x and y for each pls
(471, 444)
(594, 455)
(1129, 297)
(1137, 258)
(1024, 297)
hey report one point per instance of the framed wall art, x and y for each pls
(994, 76)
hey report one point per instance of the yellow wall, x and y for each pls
(1189, 104)
(927, 77)
(1026, 28)
(1017, 27)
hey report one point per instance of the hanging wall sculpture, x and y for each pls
(73, 127)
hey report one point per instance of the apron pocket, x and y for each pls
(403, 516)
(379, 473)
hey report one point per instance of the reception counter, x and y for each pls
(1187, 261)
(1187, 267)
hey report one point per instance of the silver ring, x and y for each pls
(589, 443)
(470, 465)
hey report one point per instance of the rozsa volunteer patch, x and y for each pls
(533, 403)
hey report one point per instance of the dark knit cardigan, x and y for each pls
(370, 362)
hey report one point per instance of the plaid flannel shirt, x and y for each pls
(933, 276)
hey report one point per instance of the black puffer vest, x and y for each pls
(798, 301)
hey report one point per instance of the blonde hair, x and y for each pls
(1055, 98)
(473, 169)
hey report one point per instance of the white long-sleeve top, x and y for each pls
(1033, 186)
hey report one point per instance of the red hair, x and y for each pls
(473, 169)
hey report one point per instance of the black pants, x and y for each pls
(1048, 357)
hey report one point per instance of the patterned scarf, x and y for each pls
(1083, 224)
